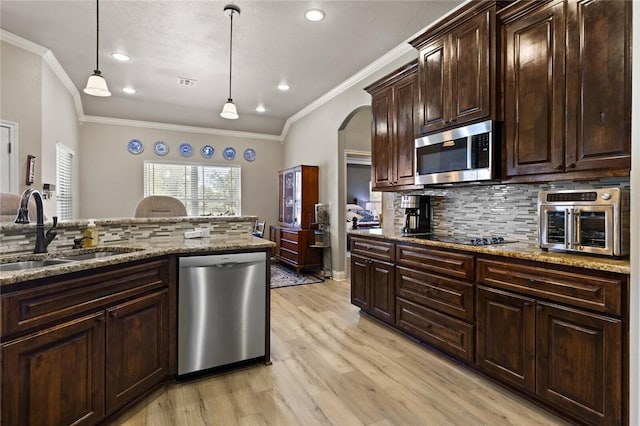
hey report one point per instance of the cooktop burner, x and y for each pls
(473, 241)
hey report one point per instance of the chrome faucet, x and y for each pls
(42, 240)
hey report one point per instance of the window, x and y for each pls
(204, 190)
(64, 192)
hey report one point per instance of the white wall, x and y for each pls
(59, 124)
(357, 133)
(112, 178)
(20, 89)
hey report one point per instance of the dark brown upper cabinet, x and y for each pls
(393, 101)
(457, 63)
(567, 87)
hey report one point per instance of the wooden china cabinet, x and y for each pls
(294, 238)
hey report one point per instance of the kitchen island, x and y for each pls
(83, 339)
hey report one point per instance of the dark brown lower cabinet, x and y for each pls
(373, 287)
(579, 363)
(56, 376)
(77, 348)
(506, 339)
(137, 356)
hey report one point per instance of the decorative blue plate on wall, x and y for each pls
(135, 146)
(249, 154)
(186, 150)
(229, 153)
(160, 148)
(207, 151)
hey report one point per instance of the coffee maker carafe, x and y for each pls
(416, 214)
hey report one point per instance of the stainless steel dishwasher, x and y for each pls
(221, 310)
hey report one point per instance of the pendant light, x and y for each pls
(229, 110)
(97, 85)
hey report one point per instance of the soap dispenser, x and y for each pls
(91, 234)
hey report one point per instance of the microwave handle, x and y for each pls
(568, 234)
(577, 234)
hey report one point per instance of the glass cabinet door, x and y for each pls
(297, 210)
(288, 200)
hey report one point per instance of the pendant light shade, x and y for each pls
(229, 110)
(97, 85)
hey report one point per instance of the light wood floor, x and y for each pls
(333, 366)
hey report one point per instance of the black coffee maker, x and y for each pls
(417, 214)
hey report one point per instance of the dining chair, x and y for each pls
(160, 206)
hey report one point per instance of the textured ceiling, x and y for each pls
(272, 42)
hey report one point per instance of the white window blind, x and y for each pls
(64, 182)
(204, 190)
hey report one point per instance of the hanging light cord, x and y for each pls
(230, 51)
(97, 32)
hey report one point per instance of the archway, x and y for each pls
(354, 140)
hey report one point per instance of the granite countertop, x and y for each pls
(127, 252)
(516, 250)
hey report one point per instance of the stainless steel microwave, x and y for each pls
(464, 154)
(592, 221)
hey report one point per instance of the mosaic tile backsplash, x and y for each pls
(21, 238)
(507, 210)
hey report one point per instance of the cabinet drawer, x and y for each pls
(588, 290)
(444, 294)
(291, 236)
(439, 330)
(289, 255)
(289, 245)
(65, 297)
(440, 261)
(372, 248)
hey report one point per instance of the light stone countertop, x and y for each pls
(128, 252)
(516, 250)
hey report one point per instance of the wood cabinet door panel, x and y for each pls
(377, 249)
(382, 138)
(439, 330)
(505, 331)
(137, 350)
(359, 281)
(470, 83)
(383, 295)
(598, 292)
(439, 261)
(405, 96)
(444, 294)
(534, 92)
(599, 90)
(55, 376)
(433, 80)
(579, 359)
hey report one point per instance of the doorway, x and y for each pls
(8, 156)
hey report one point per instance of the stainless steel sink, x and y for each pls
(31, 264)
(87, 256)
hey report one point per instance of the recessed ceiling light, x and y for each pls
(120, 56)
(129, 90)
(314, 15)
(283, 86)
(260, 108)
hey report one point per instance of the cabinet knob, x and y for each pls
(101, 318)
(559, 167)
(571, 165)
(114, 314)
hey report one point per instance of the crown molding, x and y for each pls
(22, 43)
(177, 128)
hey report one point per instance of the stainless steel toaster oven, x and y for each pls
(594, 221)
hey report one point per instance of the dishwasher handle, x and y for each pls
(222, 260)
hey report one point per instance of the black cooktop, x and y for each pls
(468, 241)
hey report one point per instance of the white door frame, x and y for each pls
(13, 154)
